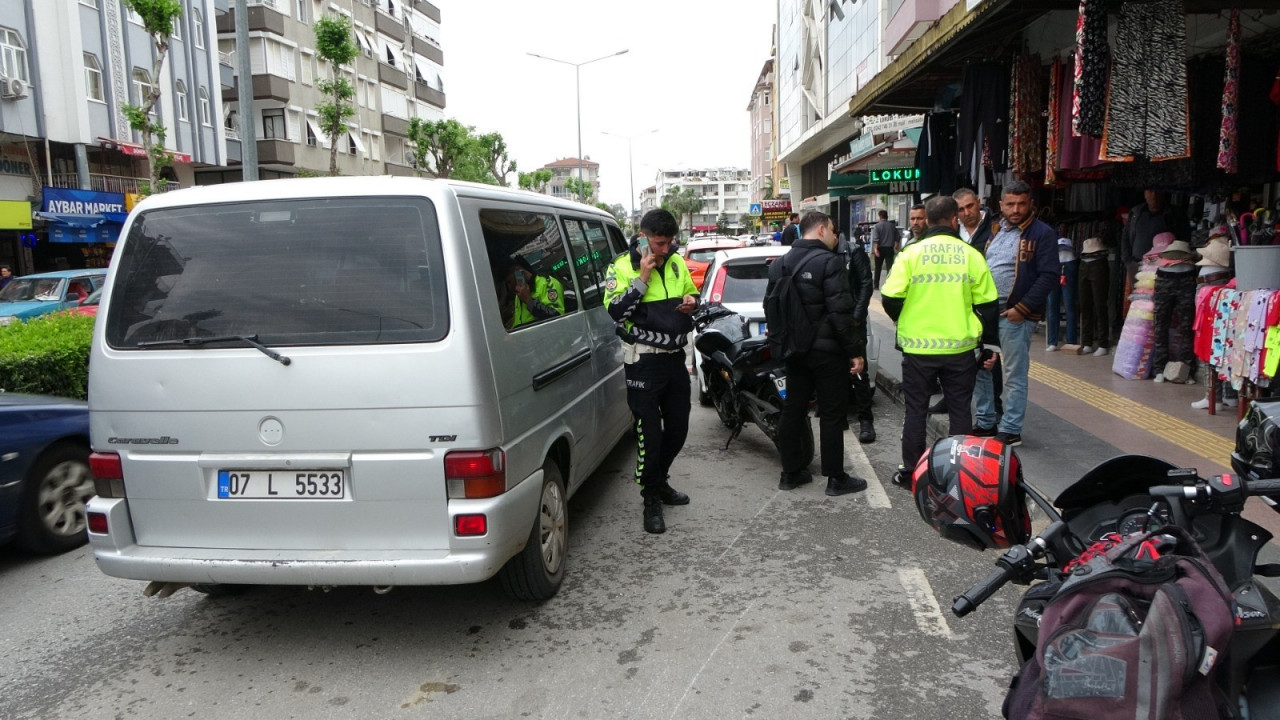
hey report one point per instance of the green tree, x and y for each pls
(158, 18)
(681, 202)
(449, 149)
(495, 152)
(747, 222)
(768, 189)
(722, 224)
(618, 212)
(536, 181)
(336, 47)
(584, 190)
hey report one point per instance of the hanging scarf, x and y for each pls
(1230, 98)
(1052, 129)
(1026, 143)
(1089, 99)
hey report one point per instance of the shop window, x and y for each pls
(532, 272)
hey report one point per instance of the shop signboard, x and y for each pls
(81, 206)
(81, 202)
(775, 211)
(15, 215)
(899, 180)
(10, 165)
(104, 233)
(885, 124)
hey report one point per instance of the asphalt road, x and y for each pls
(755, 603)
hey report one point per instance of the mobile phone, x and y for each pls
(519, 280)
(642, 244)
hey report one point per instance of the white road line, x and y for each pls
(747, 525)
(929, 616)
(876, 496)
(724, 637)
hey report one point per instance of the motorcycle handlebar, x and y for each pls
(1263, 487)
(978, 594)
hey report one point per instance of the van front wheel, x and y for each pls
(536, 573)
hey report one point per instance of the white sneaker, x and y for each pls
(1087, 350)
(1201, 404)
(1100, 352)
(1159, 377)
(1051, 348)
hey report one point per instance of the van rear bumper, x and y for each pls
(468, 560)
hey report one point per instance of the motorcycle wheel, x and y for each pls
(770, 395)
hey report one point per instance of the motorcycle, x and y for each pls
(745, 382)
(1134, 493)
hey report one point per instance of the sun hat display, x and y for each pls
(1159, 243)
(1216, 254)
(1179, 250)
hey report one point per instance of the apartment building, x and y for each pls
(67, 154)
(398, 75)
(565, 168)
(760, 110)
(723, 190)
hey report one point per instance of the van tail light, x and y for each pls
(108, 475)
(470, 525)
(98, 523)
(473, 475)
(717, 285)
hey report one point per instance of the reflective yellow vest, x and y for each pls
(547, 291)
(940, 278)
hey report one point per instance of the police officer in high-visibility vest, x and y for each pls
(649, 293)
(535, 297)
(941, 294)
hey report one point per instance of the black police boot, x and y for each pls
(653, 522)
(866, 432)
(670, 495)
(845, 484)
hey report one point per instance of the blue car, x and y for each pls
(44, 472)
(40, 294)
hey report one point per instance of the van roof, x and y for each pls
(348, 186)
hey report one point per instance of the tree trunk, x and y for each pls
(162, 48)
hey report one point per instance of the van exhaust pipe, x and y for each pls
(158, 588)
(383, 589)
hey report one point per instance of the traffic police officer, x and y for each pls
(649, 293)
(941, 294)
(537, 297)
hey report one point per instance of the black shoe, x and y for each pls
(653, 522)
(791, 481)
(938, 408)
(845, 484)
(866, 432)
(1010, 439)
(902, 478)
(672, 496)
(983, 432)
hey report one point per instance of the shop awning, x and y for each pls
(75, 221)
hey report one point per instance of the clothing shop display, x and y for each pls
(1147, 106)
(1053, 123)
(1133, 351)
(1026, 98)
(936, 153)
(983, 128)
(1074, 151)
(1089, 86)
(1230, 97)
(1094, 283)
(1245, 346)
(1174, 306)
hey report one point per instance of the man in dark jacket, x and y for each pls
(1023, 257)
(837, 352)
(791, 233)
(860, 288)
(975, 221)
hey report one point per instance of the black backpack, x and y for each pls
(789, 328)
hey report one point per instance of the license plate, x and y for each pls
(761, 329)
(781, 384)
(282, 484)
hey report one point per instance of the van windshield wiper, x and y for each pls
(201, 341)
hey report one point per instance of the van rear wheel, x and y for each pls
(536, 573)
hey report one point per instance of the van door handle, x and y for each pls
(560, 369)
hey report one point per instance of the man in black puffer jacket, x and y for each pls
(860, 288)
(837, 352)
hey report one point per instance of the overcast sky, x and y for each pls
(688, 74)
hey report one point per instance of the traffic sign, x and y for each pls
(756, 209)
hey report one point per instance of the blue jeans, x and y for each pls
(1064, 296)
(1015, 348)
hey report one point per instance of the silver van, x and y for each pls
(351, 381)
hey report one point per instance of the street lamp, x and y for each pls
(577, 84)
(631, 175)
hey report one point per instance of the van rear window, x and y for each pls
(322, 271)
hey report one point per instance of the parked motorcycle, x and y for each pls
(1135, 494)
(745, 382)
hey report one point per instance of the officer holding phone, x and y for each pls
(536, 297)
(649, 293)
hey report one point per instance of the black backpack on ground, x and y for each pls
(789, 328)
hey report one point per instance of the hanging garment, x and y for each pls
(1230, 97)
(1052, 124)
(1275, 99)
(1026, 103)
(1075, 152)
(1148, 106)
(1089, 76)
(936, 153)
(984, 115)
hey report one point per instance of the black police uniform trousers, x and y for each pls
(658, 395)
(828, 375)
(957, 375)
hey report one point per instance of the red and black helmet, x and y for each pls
(970, 490)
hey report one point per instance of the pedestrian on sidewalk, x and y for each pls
(975, 221)
(859, 268)
(1095, 283)
(1023, 257)
(917, 223)
(649, 294)
(819, 282)
(791, 233)
(941, 295)
(884, 243)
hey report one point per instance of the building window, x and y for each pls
(232, 124)
(133, 16)
(273, 127)
(142, 87)
(205, 113)
(93, 77)
(302, 10)
(391, 56)
(89, 3)
(391, 8)
(180, 99)
(177, 29)
(13, 55)
(312, 140)
(308, 68)
(197, 26)
(352, 148)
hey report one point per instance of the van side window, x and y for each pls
(531, 271)
(589, 244)
(617, 241)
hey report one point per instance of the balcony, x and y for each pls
(389, 26)
(265, 87)
(428, 49)
(261, 18)
(428, 94)
(427, 9)
(392, 76)
(275, 152)
(399, 170)
(394, 125)
(226, 70)
(98, 182)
